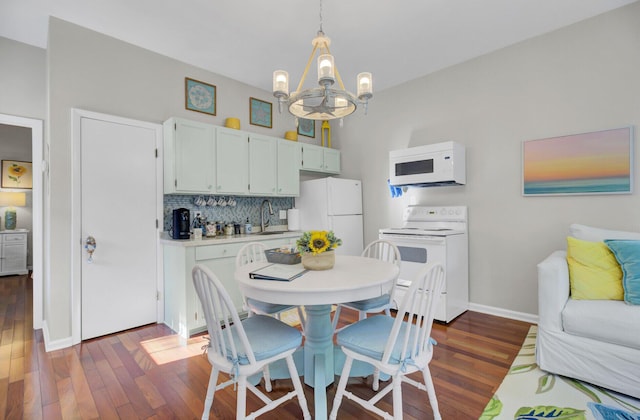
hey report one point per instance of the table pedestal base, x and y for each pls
(318, 342)
(319, 360)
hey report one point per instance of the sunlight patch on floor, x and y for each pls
(173, 347)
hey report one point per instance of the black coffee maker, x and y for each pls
(181, 224)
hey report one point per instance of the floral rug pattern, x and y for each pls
(528, 393)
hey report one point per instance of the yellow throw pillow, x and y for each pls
(594, 272)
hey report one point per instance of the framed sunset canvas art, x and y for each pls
(598, 162)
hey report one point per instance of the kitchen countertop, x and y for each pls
(165, 239)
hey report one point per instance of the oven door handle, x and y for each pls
(435, 240)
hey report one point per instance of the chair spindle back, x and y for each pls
(221, 316)
(418, 310)
(251, 252)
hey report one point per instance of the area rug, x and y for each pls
(530, 393)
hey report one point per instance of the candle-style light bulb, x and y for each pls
(326, 69)
(365, 86)
(280, 83)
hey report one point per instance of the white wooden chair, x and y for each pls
(394, 346)
(381, 250)
(253, 252)
(241, 349)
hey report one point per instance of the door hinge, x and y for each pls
(157, 224)
(195, 315)
(175, 126)
(156, 153)
(175, 183)
(157, 294)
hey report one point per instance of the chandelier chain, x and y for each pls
(321, 16)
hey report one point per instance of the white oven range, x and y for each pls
(434, 234)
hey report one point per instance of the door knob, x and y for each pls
(90, 246)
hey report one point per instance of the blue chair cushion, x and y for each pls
(267, 308)
(370, 336)
(268, 337)
(367, 304)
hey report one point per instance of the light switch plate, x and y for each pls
(283, 214)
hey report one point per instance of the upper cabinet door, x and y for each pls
(232, 165)
(320, 159)
(332, 160)
(312, 158)
(288, 168)
(262, 165)
(189, 154)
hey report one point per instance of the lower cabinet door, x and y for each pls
(224, 269)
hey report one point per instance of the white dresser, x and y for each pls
(13, 252)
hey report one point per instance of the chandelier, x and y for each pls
(327, 101)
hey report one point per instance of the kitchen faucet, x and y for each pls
(262, 221)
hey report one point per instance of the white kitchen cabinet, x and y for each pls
(331, 160)
(263, 168)
(232, 163)
(288, 168)
(189, 153)
(274, 167)
(320, 159)
(312, 158)
(13, 252)
(205, 159)
(182, 309)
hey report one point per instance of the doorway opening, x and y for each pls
(37, 226)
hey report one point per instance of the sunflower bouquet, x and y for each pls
(317, 241)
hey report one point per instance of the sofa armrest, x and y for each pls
(553, 290)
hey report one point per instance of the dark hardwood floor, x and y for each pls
(147, 373)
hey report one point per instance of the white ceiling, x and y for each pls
(247, 39)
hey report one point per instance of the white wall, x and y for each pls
(578, 79)
(22, 79)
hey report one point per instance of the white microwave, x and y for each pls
(428, 166)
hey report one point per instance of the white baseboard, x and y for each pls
(54, 345)
(504, 313)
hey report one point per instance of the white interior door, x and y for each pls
(118, 208)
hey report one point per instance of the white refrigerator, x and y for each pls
(333, 204)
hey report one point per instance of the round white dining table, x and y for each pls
(352, 278)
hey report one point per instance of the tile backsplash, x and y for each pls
(245, 207)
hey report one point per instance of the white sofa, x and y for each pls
(596, 341)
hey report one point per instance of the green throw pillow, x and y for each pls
(594, 272)
(628, 255)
